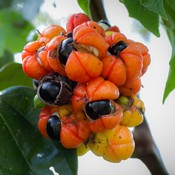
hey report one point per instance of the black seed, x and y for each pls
(53, 127)
(117, 48)
(49, 91)
(65, 50)
(96, 109)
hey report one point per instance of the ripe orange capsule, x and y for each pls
(61, 124)
(133, 61)
(145, 55)
(75, 20)
(107, 121)
(82, 66)
(99, 89)
(131, 87)
(53, 54)
(31, 48)
(42, 59)
(32, 68)
(73, 134)
(114, 38)
(95, 89)
(114, 70)
(79, 97)
(96, 26)
(43, 119)
(91, 40)
(50, 32)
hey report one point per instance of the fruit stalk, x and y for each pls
(147, 151)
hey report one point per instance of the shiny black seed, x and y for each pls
(96, 109)
(117, 48)
(53, 127)
(49, 91)
(65, 50)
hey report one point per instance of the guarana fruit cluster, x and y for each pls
(87, 77)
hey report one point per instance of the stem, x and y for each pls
(146, 150)
(97, 10)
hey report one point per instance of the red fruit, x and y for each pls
(43, 119)
(82, 66)
(42, 59)
(89, 39)
(114, 70)
(73, 134)
(50, 32)
(95, 89)
(53, 54)
(107, 121)
(133, 61)
(114, 38)
(145, 55)
(73, 128)
(35, 65)
(95, 26)
(131, 87)
(32, 68)
(99, 89)
(31, 48)
(75, 20)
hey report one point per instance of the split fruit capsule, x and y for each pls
(95, 89)
(53, 89)
(60, 124)
(103, 115)
(89, 39)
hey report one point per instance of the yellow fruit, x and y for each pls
(133, 110)
(113, 145)
(138, 103)
(120, 145)
(98, 143)
(132, 118)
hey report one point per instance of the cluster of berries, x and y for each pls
(88, 77)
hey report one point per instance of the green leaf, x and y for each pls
(12, 74)
(13, 31)
(149, 19)
(84, 4)
(156, 6)
(170, 27)
(171, 3)
(5, 4)
(22, 148)
(6, 58)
